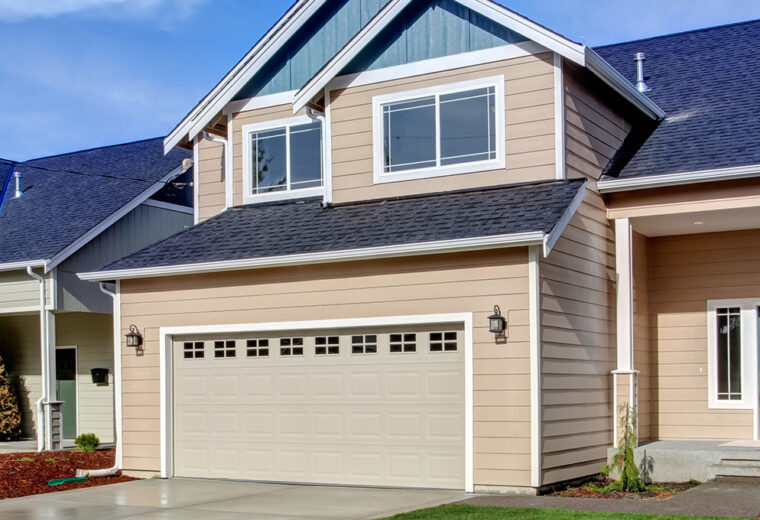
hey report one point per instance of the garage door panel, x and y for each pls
(375, 418)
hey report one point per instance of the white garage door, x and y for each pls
(380, 407)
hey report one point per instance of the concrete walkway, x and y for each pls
(158, 499)
(731, 497)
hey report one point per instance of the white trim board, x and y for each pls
(559, 118)
(166, 369)
(534, 292)
(168, 206)
(678, 179)
(12, 266)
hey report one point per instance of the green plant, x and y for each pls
(10, 415)
(51, 460)
(25, 459)
(87, 442)
(630, 478)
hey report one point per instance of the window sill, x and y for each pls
(729, 405)
(442, 171)
(283, 195)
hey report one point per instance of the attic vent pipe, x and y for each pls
(641, 85)
(17, 176)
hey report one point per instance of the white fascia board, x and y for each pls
(607, 73)
(253, 103)
(564, 220)
(168, 206)
(497, 13)
(112, 219)
(12, 266)
(369, 253)
(677, 179)
(246, 68)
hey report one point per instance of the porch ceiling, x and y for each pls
(697, 222)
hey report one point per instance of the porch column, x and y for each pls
(624, 377)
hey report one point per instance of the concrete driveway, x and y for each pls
(203, 499)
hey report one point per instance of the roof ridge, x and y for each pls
(679, 33)
(91, 149)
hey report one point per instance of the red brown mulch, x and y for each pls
(656, 491)
(23, 474)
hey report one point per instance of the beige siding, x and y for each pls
(210, 179)
(19, 291)
(685, 272)
(471, 282)
(641, 336)
(20, 350)
(529, 91)
(578, 345)
(593, 131)
(92, 335)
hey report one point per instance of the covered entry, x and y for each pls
(371, 405)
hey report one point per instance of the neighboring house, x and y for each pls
(64, 214)
(374, 177)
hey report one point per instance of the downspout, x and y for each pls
(316, 115)
(41, 429)
(116, 390)
(227, 173)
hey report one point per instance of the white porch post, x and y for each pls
(625, 366)
(51, 377)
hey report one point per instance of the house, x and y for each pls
(438, 244)
(60, 215)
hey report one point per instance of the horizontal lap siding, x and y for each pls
(436, 284)
(210, 179)
(684, 272)
(18, 290)
(578, 346)
(20, 350)
(642, 358)
(529, 130)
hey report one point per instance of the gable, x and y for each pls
(427, 30)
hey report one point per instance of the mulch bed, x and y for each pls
(656, 491)
(23, 474)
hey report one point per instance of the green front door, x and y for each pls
(66, 386)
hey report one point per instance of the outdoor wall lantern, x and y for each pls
(134, 338)
(496, 322)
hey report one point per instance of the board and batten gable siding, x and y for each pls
(578, 346)
(684, 273)
(436, 284)
(19, 291)
(529, 121)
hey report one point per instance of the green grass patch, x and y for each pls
(25, 459)
(465, 512)
(51, 460)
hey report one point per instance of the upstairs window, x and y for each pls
(283, 159)
(440, 131)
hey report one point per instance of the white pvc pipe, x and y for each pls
(45, 370)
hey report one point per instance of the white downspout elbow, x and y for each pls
(227, 174)
(45, 369)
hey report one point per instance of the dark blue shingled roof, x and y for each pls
(708, 83)
(57, 207)
(260, 231)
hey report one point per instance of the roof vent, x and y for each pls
(641, 85)
(17, 176)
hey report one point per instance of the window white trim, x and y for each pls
(247, 130)
(166, 369)
(749, 335)
(380, 176)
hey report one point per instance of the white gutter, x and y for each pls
(13, 266)
(369, 253)
(678, 179)
(227, 170)
(41, 428)
(115, 296)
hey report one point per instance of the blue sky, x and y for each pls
(76, 74)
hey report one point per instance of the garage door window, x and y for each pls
(443, 341)
(366, 344)
(257, 348)
(224, 349)
(193, 350)
(327, 345)
(406, 342)
(291, 346)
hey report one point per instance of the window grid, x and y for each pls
(194, 350)
(291, 346)
(364, 344)
(403, 342)
(224, 349)
(257, 348)
(729, 353)
(443, 341)
(327, 345)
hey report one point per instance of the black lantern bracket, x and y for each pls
(134, 338)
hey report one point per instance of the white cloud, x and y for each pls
(20, 10)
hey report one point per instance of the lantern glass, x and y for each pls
(134, 338)
(496, 322)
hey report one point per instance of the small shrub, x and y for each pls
(87, 442)
(10, 416)
(630, 477)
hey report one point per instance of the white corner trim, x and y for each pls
(166, 370)
(12, 266)
(347, 255)
(534, 277)
(168, 206)
(551, 239)
(254, 103)
(624, 274)
(112, 219)
(622, 86)
(327, 177)
(229, 172)
(559, 118)
(196, 181)
(678, 179)
(499, 163)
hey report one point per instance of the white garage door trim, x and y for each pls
(166, 356)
